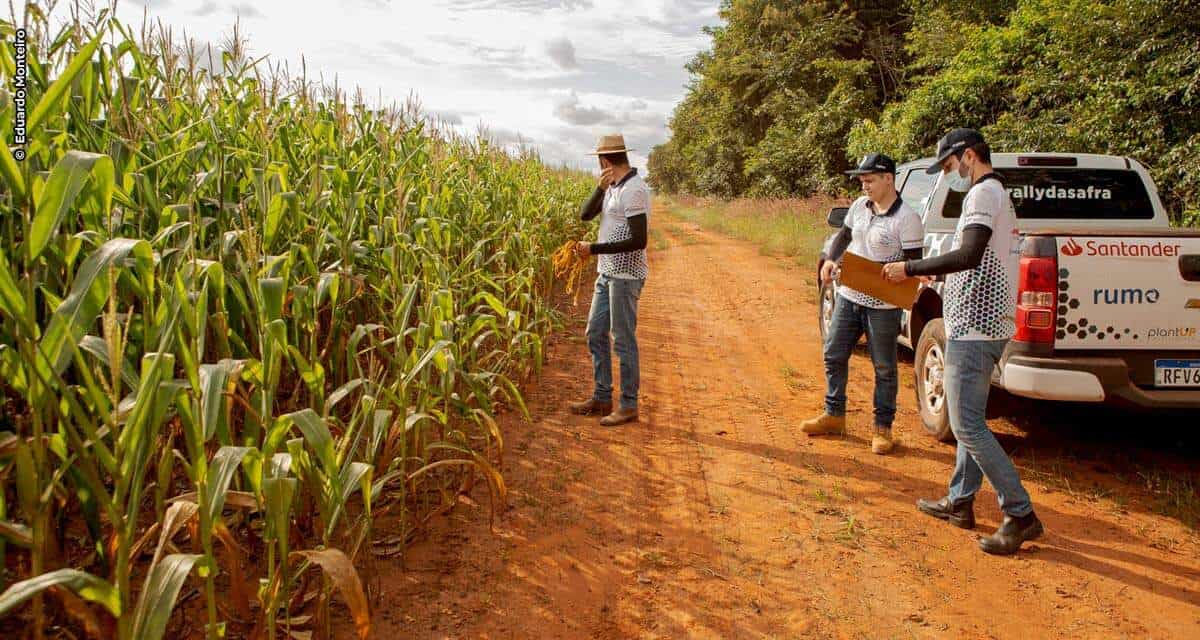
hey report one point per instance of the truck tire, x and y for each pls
(825, 308)
(929, 369)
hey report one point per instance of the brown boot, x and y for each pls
(825, 425)
(882, 442)
(590, 407)
(620, 416)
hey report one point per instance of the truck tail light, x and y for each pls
(1037, 288)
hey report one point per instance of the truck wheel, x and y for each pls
(929, 367)
(825, 309)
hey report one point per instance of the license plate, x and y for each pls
(1177, 373)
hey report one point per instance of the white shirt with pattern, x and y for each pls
(981, 303)
(882, 238)
(629, 197)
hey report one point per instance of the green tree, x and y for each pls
(771, 104)
(1119, 77)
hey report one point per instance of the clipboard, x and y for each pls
(866, 276)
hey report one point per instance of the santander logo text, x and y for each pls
(1107, 247)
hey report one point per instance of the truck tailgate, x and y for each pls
(1129, 291)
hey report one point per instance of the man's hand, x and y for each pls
(583, 249)
(606, 177)
(827, 270)
(894, 272)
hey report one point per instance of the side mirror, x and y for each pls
(837, 216)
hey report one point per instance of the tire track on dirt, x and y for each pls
(737, 409)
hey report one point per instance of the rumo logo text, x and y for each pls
(1125, 296)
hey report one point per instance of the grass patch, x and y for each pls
(1174, 495)
(794, 380)
(658, 239)
(780, 227)
(1170, 493)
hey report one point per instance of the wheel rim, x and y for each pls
(933, 377)
(826, 308)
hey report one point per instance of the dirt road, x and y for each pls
(715, 518)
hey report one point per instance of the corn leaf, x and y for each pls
(159, 594)
(11, 172)
(342, 574)
(214, 382)
(52, 100)
(86, 585)
(67, 180)
(89, 292)
(176, 517)
(220, 471)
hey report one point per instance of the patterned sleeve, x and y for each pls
(637, 202)
(853, 210)
(912, 231)
(981, 206)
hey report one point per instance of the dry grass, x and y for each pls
(780, 227)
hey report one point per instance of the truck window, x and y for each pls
(1071, 194)
(916, 188)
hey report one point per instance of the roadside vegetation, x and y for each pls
(791, 92)
(784, 227)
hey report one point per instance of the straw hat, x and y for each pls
(611, 143)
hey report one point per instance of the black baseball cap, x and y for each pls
(874, 163)
(957, 141)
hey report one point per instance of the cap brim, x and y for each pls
(863, 172)
(608, 152)
(936, 167)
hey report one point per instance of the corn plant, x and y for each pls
(240, 310)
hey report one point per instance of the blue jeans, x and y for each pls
(969, 365)
(614, 311)
(882, 326)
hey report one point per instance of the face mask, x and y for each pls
(958, 181)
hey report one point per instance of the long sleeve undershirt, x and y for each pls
(638, 233)
(968, 255)
(593, 206)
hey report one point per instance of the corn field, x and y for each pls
(241, 316)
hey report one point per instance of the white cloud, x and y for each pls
(569, 111)
(560, 72)
(562, 53)
(206, 8)
(245, 10)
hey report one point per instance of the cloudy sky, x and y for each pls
(556, 72)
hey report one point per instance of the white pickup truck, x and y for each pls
(1109, 293)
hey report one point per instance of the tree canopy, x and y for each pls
(791, 92)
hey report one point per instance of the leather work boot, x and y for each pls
(825, 425)
(881, 442)
(620, 416)
(1011, 534)
(590, 407)
(962, 515)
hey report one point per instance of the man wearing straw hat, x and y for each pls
(622, 200)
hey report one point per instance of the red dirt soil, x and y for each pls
(713, 517)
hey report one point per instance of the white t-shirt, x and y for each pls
(981, 303)
(882, 238)
(630, 197)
